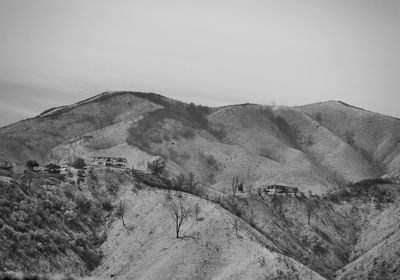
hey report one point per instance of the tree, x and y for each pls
(235, 184)
(156, 166)
(120, 213)
(311, 204)
(179, 181)
(31, 164)
(235, 225)
(179, 210)
(197, 210)
(191, 182)
(277, 202)
(79, 163)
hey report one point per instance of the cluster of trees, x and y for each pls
(78, 163)
(379, 190)
(44, 221)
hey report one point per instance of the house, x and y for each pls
(279, 189)
(110, 161)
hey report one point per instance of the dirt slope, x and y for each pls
(210, 249)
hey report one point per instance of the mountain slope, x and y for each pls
(376, 137)
(316, 147)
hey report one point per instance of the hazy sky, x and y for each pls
(211, 52)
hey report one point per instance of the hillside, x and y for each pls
(146, 248)
(350, 234)
(316, 147)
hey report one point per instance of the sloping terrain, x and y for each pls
(316, 147)
(346, 227)
(146, 247)
(47, 225)
(374, 136)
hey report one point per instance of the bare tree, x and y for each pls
(197, 210)
(179, 210)
(235, 184)
(235, 225)
(121, 211)
(311, 204)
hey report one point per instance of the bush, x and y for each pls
(79, 163)
(107, 205)
(83, 204)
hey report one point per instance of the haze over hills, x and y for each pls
(315, 147)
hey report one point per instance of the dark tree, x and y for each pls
(240, 187)
(31, 164)
(121, 211)
(311, 204)
(53, 168)
(197, 210)
(79, 163)
(156, 166)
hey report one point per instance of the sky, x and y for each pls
(213, 53)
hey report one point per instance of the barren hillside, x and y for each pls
(146, 247)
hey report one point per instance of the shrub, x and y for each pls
(79, 163)
(107, 205)
(83, 204)
(188, 133)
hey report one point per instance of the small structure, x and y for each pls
(39, 169)
(6, 165)
(110, 161)
(279, 189)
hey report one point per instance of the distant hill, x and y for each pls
(315, 147)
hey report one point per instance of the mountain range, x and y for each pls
(316, 147)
